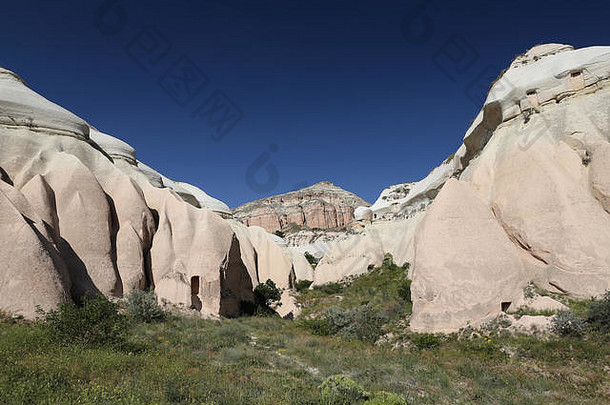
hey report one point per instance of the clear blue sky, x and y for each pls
(361, 93)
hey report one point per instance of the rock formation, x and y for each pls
(321, 206)
(525, 198)
(80, 215)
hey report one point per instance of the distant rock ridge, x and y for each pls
(320, 206)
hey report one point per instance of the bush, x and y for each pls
(404, 290)
(95, 322)
(388, 261)
(425, 341)
(279, 233)
(302, 285)
(330, 288)
(363, 323)
(142, 307)
(318, 326)
(599, 313)
(565, 323)
(341, 390)
(386, 398)
(265, 296)
(311, 259)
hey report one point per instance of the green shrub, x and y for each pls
(279, 233)
(95, 322)
(425, 341)
(311, 259)
(330, 288)
(341, 390)
(404, 290)
(317, 326)
(302, 285)
(363, 323)
(565, 323)
(598, 314)
(388, 261)
(265, 296)
(267, 293)
(386, 398)
(142, 307)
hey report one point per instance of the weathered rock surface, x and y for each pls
(536, 173)
(466, 268)
(525, 198)
(322, 206)
(80, 215)
(32, 272)
(357, 253)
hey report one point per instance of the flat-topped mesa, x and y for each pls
(22, 107)
(322, 205)
(544, 75)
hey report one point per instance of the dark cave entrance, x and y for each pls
(195, 300)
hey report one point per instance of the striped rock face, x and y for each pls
(321, 206)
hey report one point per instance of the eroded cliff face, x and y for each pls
(321, 206)
(80, 215)
(525, 198)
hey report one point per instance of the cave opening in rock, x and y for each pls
(506, 305)
(195, 300)
(578, 80)
(532, 97)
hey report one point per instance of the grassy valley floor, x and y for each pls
(268, 360)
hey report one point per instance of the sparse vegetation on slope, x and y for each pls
(263, 360)
(360, 307)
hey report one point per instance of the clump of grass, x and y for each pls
(386, 398)
(302, 285)
(598, 313)
(95, 322)
(521, 311)
(142, 306)
(425, 341)
(329, 288)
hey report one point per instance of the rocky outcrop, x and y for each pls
(535, 175)
(321, 206)
(357, 253)
(525, 198)
(80, 215)
(466, 267)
